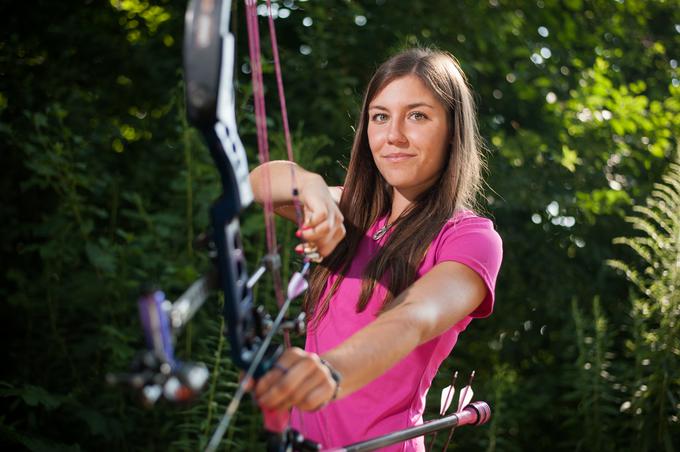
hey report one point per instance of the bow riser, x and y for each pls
(243, 328)
(209, 50)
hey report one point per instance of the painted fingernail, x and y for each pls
(298, 234)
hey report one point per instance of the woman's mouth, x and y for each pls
(398, 157)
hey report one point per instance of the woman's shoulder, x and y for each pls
(469, 225)
(469, 237)
(468, 218)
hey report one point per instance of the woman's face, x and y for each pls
(408, 135)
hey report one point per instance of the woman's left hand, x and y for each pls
(298, 379)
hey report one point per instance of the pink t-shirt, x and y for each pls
(396, 400)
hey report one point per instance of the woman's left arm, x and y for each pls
(442, 297)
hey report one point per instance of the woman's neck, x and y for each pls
(399, 204)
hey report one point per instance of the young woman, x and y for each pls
(406, 262)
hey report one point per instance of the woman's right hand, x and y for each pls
(323, 226)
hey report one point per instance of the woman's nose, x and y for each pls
(395, 133)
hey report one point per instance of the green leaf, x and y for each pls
(100, 258)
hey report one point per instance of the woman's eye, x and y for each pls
(418, 116)
(379, 117)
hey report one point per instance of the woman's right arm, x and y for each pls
(323, 221)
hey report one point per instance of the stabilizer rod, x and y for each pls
(476, 413)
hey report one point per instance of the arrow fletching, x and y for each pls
(446, 399)
(298, 284)
(465, 397)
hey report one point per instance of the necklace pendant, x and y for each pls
(380, 232)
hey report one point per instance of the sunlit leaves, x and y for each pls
(570, 158)
(151, 16)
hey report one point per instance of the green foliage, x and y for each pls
(653, 346)
(593, 383)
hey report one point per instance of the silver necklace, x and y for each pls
(382, 231)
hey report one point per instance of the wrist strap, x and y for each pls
(335, 375)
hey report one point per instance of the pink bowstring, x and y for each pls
(284, 111)
(260, 117)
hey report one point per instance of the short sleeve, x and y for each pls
(474, 242)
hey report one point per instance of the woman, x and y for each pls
(407, 263)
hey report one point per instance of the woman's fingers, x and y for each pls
(326, 246)
(299, 379)
(318, 217)
(322, 240)
(319, 210)
(321, 224)
(279, 370)
(328, 230)
(292, 388)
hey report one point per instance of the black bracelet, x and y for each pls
(335, 375)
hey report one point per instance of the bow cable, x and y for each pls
(263, 144)
(284, 115)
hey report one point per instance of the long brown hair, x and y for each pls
(456, 188)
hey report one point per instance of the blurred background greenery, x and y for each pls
(105, 186)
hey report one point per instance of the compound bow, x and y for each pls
(209, 59)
